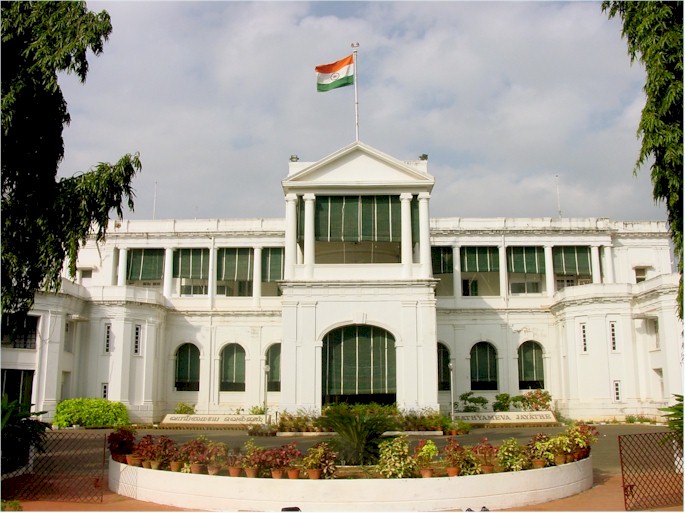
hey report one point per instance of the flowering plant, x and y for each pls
(165, 450)
(320, 456)
(281, 457)
(145, 447)
(536, 400)
(582, 435)
(217, 453)
(254, 455)
(195, 451)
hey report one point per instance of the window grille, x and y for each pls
(583, 337)
(108, 338)
(137, 332)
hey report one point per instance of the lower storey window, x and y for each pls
(18, 385)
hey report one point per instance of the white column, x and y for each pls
(290, 256)
(456, 277)
(594, 257)
(608, 265)
(549, 271)
(309, 234)
(424, 235)
(168, 271)
(211, 279)
(405, 202)
(503, 272)
(257, 276)
(121, 273)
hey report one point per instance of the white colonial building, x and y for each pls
(359, 295)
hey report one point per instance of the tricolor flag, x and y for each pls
(334, 75)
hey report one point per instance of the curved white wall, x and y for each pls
(221, 493)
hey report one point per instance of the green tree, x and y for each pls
(654, 32)
(46, 220)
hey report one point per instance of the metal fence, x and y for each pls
(72, 469)
(652, 469)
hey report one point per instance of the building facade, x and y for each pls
(358, 295)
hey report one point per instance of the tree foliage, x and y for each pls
(45, 220)
(654, 32)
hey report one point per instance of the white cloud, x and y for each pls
(502, 96)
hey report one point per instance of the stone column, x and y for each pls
(121, 273)
(168, 271)
(309, 235)
(407, 260)
(257, 276)
(596, 274)
(549, 271)
(608, 265)
(503, 272)
(290, 252)
(424, 235)
(456, 270)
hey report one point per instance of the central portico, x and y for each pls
(358, 302)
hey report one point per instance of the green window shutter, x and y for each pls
(357, 218)
(528, 259)
(395, 219)
(358, 360)
(481, 259)
(444, 381)
(300, 218)
(415, 220)
(233, 368)
(235, 264)
(483, 362)
(351, 211)
(188, 367)
(273, 359)
(145, 264)
(441, 258)
(191, 263)
(272, 264)
(383, 219)
(530, 362)
(322, 207)
(575, 260)
(367, 215)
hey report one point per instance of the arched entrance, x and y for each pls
(358, 366)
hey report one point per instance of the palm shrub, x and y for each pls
(394, 460)
(359, 428)
(674, 418)
(21, 431)
(90, 412)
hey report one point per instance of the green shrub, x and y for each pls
(360, 428)
(469, 403)
(394, 460)
(90, 412)
(184, 409)
(512, 456)
(631, 419)
(502, 402)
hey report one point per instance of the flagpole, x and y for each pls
(356, 93)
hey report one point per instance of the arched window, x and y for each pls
(273, 360)
(531, 373)
(188, 368)
(483, 366)
(358, 365)
(443, 367)
(232, 369)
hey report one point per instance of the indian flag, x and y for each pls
(334, 75)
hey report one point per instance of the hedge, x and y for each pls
(90, 412)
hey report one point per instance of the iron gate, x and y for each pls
(652, 469)
(72, 469)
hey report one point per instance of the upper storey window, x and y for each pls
(480, 271)
(234, 271)
(358, 229)
(144, 266)
(191, 269)
(443, 270)
(526, 267)
(572, 265)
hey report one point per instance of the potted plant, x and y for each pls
(234, 462)
(278, 459)
(145, 449)
(486, 453)
(164, 452)
(196, 453)
(121, 442)
(512, 456)
(453, 454)
(424, 454)
(395, 460)
(470, 464)
(539, 450)
(319, 461)
(253, 461)
(582, 436)
(560, 446)
(217, 454)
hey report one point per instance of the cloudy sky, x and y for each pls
(502, 97)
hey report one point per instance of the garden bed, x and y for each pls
(219, 493)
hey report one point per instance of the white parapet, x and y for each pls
(221, 493)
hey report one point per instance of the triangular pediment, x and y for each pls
(359, 167)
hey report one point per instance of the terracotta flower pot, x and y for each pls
(293, 473)
(235, 471)
(453, 471)
(559, 459)
(277, 473)
(198, 468)
(251, 471)
(155, 465)
(538, 463)
(487, 469)
(147, 464)
(176, 466)
(314, 473)
(213, 470)
(426, 472)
